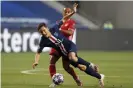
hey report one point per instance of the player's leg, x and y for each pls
(93, 66)
(70, 70)
(54, 57)
(52, 67)
(85, 66)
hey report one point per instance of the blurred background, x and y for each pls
(106, 25)
(104, 36)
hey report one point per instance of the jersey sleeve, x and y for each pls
(41, 46)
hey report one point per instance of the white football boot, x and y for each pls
(101, 81)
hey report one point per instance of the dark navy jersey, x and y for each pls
(57, 41)
(56, 32)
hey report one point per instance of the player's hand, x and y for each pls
(75, 7)
(34, 65)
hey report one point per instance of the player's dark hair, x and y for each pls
(40, 25)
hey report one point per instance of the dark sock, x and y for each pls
(80, 61)
(91, 72)
(83, 62)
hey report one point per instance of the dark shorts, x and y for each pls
(73, 48)
(70, 47)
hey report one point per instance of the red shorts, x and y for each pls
(54, 52)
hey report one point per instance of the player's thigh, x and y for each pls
(54, 58)
(73, 56)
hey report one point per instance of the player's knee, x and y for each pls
(71, 55)
(70, 58)
(73, 58)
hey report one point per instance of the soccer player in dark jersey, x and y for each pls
(53, 38)
(67, 29)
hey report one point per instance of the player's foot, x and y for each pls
(78, 81)
(101, 82)
(52, 85)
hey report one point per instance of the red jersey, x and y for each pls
(68, 25)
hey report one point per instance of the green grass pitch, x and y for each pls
(117, 67)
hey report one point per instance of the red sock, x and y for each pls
(52, 69)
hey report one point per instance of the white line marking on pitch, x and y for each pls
(87, 75)
(32, 71)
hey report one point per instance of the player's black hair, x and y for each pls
(40, 25)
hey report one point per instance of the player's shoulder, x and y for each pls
(72, 20)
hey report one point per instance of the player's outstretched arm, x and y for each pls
(70, 14)
(37, 57)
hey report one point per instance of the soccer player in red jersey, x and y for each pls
(67, 29)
